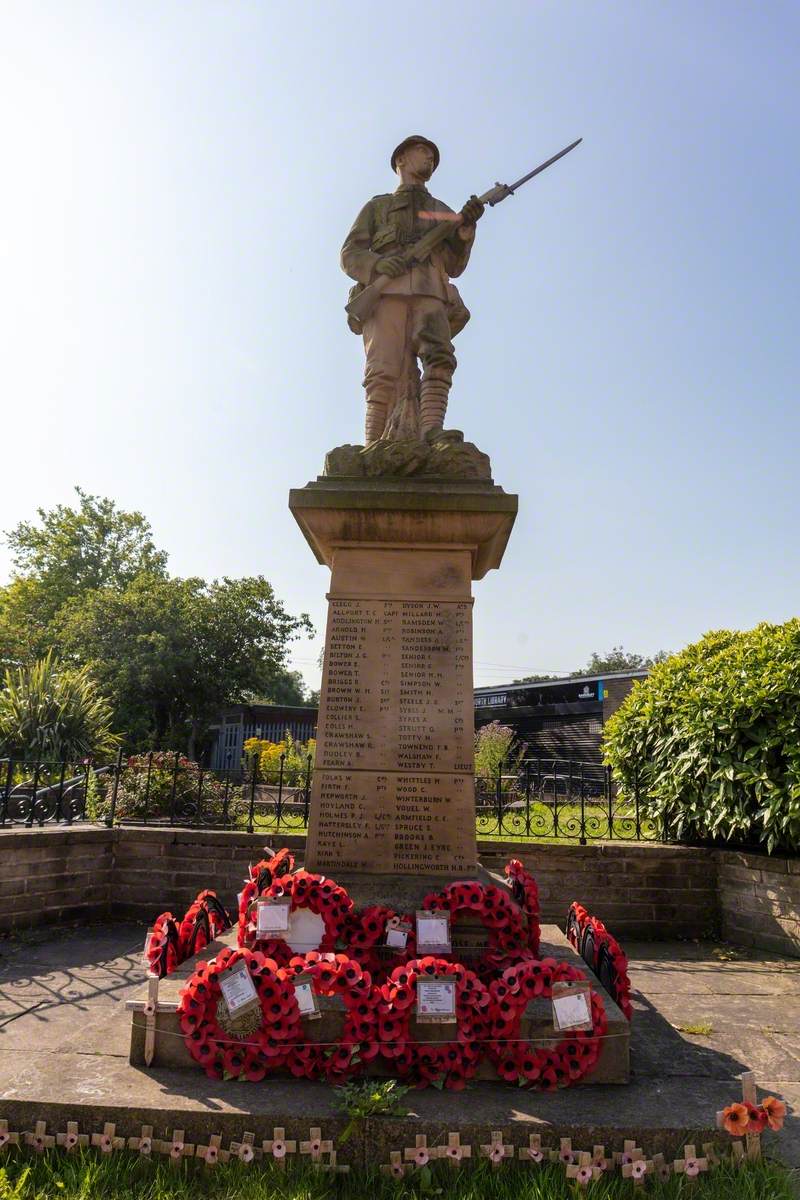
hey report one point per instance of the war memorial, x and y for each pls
(383, 945)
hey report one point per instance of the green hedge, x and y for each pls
(712, 738)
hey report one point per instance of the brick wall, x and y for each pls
(760, 900)
(158, 870)
(54, 874)
(648, 891)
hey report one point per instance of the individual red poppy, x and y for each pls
(757, 1118)
(774, 1111)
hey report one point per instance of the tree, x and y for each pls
(172, 652)
(91, 585)
(26, 613)
(77, 550)
(49, 712)
(618, 659)
(614, 660)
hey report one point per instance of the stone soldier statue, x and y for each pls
(419, 310)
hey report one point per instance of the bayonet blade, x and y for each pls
(543, 166)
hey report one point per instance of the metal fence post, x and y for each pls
(498, 796)
(33, 795)
(527, 798)
(254, 768)
(582, 838)
(117, 773)
(6, 793)
(307, 795)
(279, 810)
(59, 800)
(88, 765)
(174, 788)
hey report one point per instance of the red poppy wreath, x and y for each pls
(449, 1064)
(204, 921)
(319, 895)
(164, 951)
(336, 975)
(224, 1050)
(499, 915)
(604, 945)
(364, 935)
(526, 894)
(519, 1061)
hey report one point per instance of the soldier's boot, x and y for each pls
(432, 405)
(377, 411)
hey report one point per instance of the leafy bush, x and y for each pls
(713, 736)
(295, 763)
(495, 745)
(52, 712)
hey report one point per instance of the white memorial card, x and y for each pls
(273, 915)
(306, 997)
(397, 934)
(433, 932)
(572, 1006)
(436, 999)
(238, 990)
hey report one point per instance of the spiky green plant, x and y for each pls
(52, 712)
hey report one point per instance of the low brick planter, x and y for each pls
(647, 890)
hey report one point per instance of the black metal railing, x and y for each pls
(160, 788)
(559, 799)
(548, 799)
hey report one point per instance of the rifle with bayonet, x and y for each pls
(363, 305)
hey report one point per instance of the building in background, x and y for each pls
(239, 722)
(557, 718)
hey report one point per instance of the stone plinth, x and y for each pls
(393, 787)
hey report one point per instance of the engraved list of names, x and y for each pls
(393, 784)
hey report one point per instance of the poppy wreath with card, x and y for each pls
(229, 1054)
(526, 893)
(336, 975)
(521, 1062)
(261, 877)
(204, 921)
(364, 934)
(499, 915)
(603, 953)
(445, 1064)
(307, 890)
(165, 951)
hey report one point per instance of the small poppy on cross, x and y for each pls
(71, 1139)
(496, 1151)
(278, 1147)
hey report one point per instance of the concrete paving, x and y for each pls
(65, 1033)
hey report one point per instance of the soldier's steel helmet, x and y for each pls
(412, 141)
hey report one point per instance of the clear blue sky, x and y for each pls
(178, 178)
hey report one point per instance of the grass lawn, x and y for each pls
(86, 1176)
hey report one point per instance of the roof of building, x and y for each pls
(546, 683)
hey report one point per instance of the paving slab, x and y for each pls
(67, 1059)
